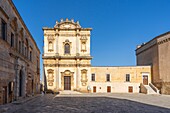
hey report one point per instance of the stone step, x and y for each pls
(68, 92)
(150, 90)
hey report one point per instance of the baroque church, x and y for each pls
(67, 64)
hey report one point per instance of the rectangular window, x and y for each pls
(93, 77)
(25, 51)
(30, 55)
(107, 77)
(23, 48)
(3, 29)
(19, 46)
(12, 40)
(127, 77)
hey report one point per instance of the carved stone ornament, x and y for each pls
(84, 77)
(50, 77)
(50, 37)
(67, 24)
(83, 43)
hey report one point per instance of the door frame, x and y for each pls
(69, 87)
(143, 79)
(67, 73)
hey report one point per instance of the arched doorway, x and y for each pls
(21, 83)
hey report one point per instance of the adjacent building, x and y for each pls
(156, 53)
(67, 64)
(19, 56)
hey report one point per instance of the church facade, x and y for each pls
(67, 64)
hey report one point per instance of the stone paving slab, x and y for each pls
(94, 103)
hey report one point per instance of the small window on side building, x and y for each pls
(93, 77)
(108, 77)
(127, 77)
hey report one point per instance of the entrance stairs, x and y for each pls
(149, 89)
(69, 92)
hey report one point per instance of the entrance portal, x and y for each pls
(145, 79)
(67, 82)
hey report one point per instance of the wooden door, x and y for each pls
(4, 94)
(108, 89)
(94, 89)
(67, 82)
(145, 80)
(130, 89)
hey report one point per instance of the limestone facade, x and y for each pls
(116, 78)
(156, 53)
(67, 63)
(19, 56)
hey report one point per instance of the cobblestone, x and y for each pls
(93, 103)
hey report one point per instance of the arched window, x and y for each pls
(67, 48)
(50, 46)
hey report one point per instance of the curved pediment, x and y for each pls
(67, 24)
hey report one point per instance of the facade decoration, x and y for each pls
(50, 43)
(83, 43)
(84, 77)
(50, 77)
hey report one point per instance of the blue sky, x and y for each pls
(118, 25)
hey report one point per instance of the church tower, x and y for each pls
(66, 58)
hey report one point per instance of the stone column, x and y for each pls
(57, 45)
(57, 75)
(78, 75)
(77, 43)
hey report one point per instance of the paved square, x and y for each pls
(95, 103)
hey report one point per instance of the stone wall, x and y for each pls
(19, 58)
(156, 53)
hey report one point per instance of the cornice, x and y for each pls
(64, 29)
(159, 36)
(163, 41)
(67, 57)
(67, 65)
